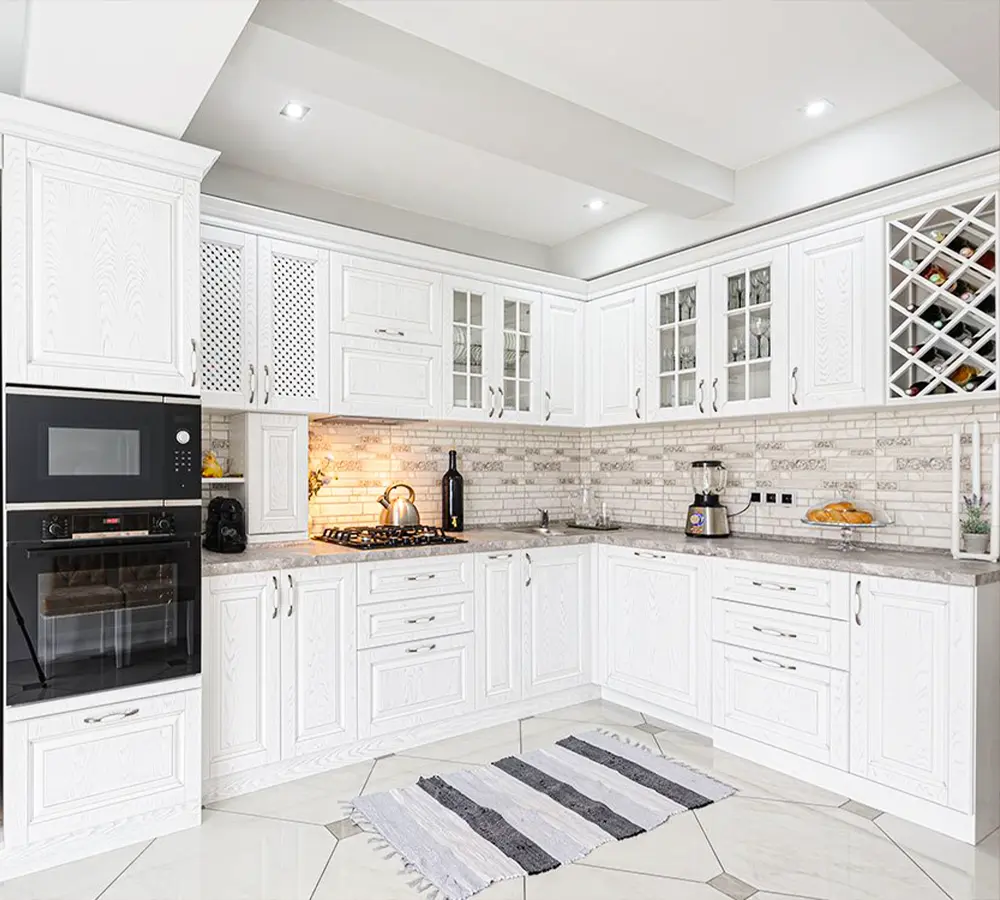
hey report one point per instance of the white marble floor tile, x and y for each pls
(600, 712)
(402, 771)
(965, 872)
(317, 799)
(678, 849)
(483, 746)
(540, 732)
(583, 883)
(748, 778)
(815, 851)
(230, 857)
(81, 880)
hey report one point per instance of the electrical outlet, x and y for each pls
(770, 497)
(755, 496)
(788, 498)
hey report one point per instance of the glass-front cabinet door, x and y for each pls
(749, 334)
(520, 330)
(678, 347)
(468, 350)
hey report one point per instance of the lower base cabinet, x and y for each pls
(498, 629)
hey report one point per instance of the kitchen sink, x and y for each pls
(552, 531)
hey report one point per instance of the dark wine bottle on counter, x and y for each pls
(452, 500)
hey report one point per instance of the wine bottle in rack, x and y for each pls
(963, 290)
(918, 386)
(934, 273)
(976, 382)
(987, 305)
(961, 246)
(963, 373)
(937, 360)
(965, 335)
(934, 315)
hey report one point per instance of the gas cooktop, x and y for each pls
(385, 536)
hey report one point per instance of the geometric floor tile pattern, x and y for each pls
(777, 839)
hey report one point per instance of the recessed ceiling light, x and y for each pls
(294, 111)
(596, 205)
(816, 108)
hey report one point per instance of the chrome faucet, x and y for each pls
(545, 518)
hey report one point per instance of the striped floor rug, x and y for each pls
(459, 833)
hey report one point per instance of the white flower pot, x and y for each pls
(976, 543)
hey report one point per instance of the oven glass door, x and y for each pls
(92, 618)
(69, 448)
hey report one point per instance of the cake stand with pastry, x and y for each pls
(850, 516)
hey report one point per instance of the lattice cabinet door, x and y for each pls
(470, 347)
(293, 344)
(942, 293)
(750, 334)
(229, 375)
(519, 343)
(678, 348)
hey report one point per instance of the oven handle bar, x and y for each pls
(92, 546)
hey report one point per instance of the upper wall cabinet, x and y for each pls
(264, 323)
(750, 334)
(616, 356)
(386, 301)
(836, 318)
(562, 362)
(678, 347)
(100, 272)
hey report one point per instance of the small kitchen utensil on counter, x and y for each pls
(707, 517)
(850, 516)
(399, 510)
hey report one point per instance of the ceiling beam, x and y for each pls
(359, 61)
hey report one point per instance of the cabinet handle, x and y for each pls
(194, 362)
(774, 632)
(638, 414)
(274, 612)
(390, 331)
(291, 587)
(548, 414)
(112, 716)
(648, 555)
(253, 383)
(500, 392)
(701, 396)
(772, 586)
(421, 577)
(857, 596)
(420, 619)
(492, 401)
(527, 556)
(715, 395)
(772, 663)
(500, 556)
(419, 649)
(267, 384)
(795, 386)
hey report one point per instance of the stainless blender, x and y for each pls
(707, 517)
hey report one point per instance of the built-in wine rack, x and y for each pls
(942, 284)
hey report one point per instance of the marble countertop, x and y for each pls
(932, 566)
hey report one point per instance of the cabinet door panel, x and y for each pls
(562, 362)
(836, 319)
(616, 350)
(277, 463)
(519, 333)
(498, 629)
(471, 350)
(318, 660)
(241, 673)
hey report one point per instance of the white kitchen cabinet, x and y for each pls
(498, 629)
(836, 318)
(386, 301)
(277, 471)
(654, 628)
(100, 280)
(750, 334)
(555, 618)
(678, 347)
(384, 378)
(562, 360)
(616, 359)
(912, 698)
(318, 662)
(241, 664)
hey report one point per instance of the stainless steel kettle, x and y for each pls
(401, 510)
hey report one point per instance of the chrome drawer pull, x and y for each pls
(390, 331)
(500, 556)
(773, 663)
(421, 577)
(417, 621)
(419, 649)
(772, 586)
(648, 555)
(112, 716)
(774, 632)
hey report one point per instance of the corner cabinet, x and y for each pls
(100, 272)
(616, 355)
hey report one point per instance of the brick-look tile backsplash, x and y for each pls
(899, 459)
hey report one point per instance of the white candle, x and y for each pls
(977, 455)
(956, 492)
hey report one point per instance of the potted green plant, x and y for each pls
(975, 524)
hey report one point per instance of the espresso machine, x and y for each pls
(707, 517)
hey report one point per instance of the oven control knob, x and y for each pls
(163, 524)
(54, 529)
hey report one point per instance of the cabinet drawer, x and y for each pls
(785, 703)
(813, 591)
(84, 768)
(398, 621)
(414, 683)
(402, 579)
(825, 642)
